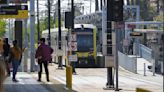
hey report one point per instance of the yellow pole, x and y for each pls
(142, 90)
(68, 73)
(69, 77)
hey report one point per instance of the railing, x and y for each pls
(145, 52)
(128, 63)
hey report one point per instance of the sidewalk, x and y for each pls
(94, 80)
(26, 84)
(86, 80)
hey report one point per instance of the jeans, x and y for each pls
(6, 59)
(73, 64)
(45, 63)
(15, 64)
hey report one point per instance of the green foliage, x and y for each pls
(159, 17)
(44, 23)
(147, 12)
(2, 27)
(56, 23)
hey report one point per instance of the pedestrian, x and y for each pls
(16, 54)
(125, 45)
(6, 49)
(130, 51)
(2, 75)
(1, 46)
(43, 55)
(73, 64)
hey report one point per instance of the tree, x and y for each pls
(132, 2)
(128, 2)
(2, 27)
(138, 2)
(44, 24)
(147, 12)
(159, 17)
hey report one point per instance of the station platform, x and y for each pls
(86, 80)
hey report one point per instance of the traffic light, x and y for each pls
(118, 10)
(115, 10)
(68, 17)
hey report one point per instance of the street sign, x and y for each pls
(131, 26)
(8, 10)
(72, 58)
(14, 11)
(3, 1)
(72, 46)
(73, 37)
(136, 34)
(119, 25)
(17, 1)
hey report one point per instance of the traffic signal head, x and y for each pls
(118, 10)
(115, 10)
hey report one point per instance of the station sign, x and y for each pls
(8, 10)
(17, 1)
(14, 11)
(135, 34)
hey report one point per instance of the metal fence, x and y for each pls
(128, 63)
(145, 52)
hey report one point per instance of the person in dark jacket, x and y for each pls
(43, 54)
(6, 49)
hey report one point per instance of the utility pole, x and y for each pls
(101, 4)
(59, 35)
(38, 27)
(96, 5)
(49, 24)
(32, 28)
(25, 64)
(90, 5)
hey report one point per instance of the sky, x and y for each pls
(64, 3)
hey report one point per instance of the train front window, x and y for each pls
(84, 43)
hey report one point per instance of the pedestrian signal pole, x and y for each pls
(59, 36)
(32, 32)
(114, 14)
(49, 23)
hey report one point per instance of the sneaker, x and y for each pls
(48, 80)
(14, 80)
(39, 80)
(74, 73)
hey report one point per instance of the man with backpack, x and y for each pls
(43, 54)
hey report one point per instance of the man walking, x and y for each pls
(43, 54)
